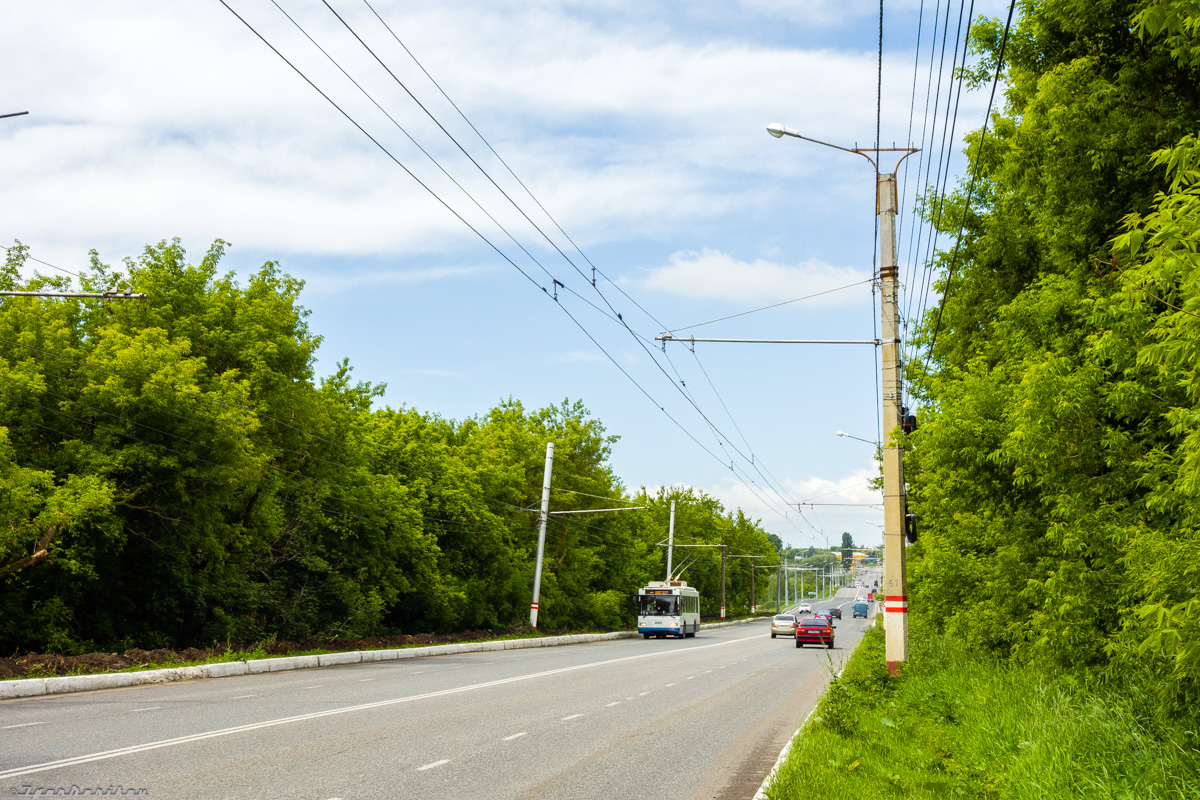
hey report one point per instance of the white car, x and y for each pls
(805, 608)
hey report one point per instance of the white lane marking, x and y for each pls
(243, 696)
(514, 736)
(642, 694)
(419, 672)
(150, 708)
(613, 703)
(434, 764)
(270, 723)
(23, 725)
(321, 686)
(364, 680)
(670, 684)
(690, 677)
(573, 716)
(707, 671)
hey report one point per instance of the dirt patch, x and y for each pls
(46, 665)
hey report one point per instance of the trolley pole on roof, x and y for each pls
(541, 543)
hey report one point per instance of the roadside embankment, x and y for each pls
(958, 723)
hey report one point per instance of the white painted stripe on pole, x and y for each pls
(197, 737)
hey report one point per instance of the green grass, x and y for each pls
(958, 724)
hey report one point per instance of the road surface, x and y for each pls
(694, 718)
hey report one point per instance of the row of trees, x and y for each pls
(172, 473)
(1057, 467)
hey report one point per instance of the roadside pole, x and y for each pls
(670, 540)
(541, 544)
(723, 549)
(895, 595)
(753, 605)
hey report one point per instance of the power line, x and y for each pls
(970, 186)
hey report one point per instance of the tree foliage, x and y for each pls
(172, 473)
(1057, 469)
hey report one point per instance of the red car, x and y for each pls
(814, 630)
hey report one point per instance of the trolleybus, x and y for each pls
(668, 608)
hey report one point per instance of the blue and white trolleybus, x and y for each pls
(668, 608)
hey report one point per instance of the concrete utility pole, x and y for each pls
(670, 540)
(894, 580)
(541, 546)
(723, 550)
(753, 604)
(895, 595)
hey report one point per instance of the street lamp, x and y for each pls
(848, 436)
(895, 584)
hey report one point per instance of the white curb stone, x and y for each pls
(35, 687)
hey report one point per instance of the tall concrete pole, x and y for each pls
(670, 540)
(723, 581)
(753, 604)
(895, 592)
(542, 517)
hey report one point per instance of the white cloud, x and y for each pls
(711, 274)
(330, 283)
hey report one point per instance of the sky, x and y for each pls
(633, 141)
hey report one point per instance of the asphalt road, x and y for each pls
(695, 718)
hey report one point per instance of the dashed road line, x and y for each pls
(23, 725)
(243, 696)
(320, 686)
(670, 684)
(135, 710)
(642, 694)
(434, 764)
(573, 716)
(613, 703)
(515, 736)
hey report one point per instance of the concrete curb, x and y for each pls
(34, 687)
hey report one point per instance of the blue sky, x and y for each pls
(640, 127)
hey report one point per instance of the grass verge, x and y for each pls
(959, 724)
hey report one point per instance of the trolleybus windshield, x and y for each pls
(658, 606)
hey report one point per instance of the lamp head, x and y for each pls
(777, 130)
(842, 433)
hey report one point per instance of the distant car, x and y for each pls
(826, 615)
(783, 625)
(814, 630)
(836, 613)
(860, 609)
(805, 608)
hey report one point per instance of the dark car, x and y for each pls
(860, 609)
(836, 613)
(814, 630)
